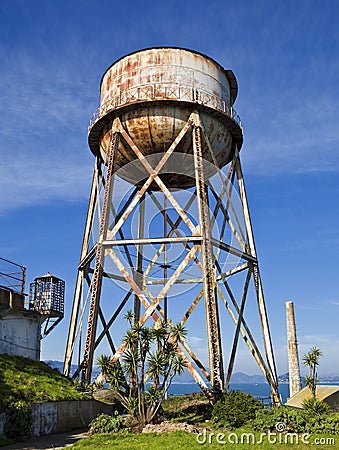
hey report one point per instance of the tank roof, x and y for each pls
(229, 73)
(48, 275)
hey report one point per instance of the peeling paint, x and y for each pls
(154, 92)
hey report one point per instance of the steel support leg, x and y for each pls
(212, 316)
(80, 278)
(257, 282)
(99, 263)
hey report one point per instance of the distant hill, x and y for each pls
(322, 379)
(237, 377)
(240, 377)
(59, 365)
(283, 378)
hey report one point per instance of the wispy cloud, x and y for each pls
(32, 179)
(328, 344)
(44, 153)
(301, 137)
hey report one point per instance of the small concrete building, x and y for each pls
(20, 324)
(327, 393)
(20, 329)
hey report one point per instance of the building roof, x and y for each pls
(322, 393)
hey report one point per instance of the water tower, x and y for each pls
(46, 297)
(168, 231)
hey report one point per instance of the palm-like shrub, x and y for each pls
(311, 359)
(315, 407)
(148, 364)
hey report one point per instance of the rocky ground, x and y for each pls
(169, 427)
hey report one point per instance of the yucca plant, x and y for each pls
(311, 359)
(150, 361)
(315, 407)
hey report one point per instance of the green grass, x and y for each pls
(182, 440)
(32, 381)
(143, 441)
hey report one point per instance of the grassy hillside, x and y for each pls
(31, 381)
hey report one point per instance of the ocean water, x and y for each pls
(258, 390)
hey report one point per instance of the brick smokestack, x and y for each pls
(292, 349)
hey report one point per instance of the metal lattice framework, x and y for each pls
(191, 227)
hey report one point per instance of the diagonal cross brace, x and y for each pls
(153, 177)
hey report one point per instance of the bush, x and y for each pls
(293, 420)
(314, 407)
(105, 423)
(19, 420)
(235, 409)
(325, 424)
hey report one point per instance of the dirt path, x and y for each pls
(50, 442)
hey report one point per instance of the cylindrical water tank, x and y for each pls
(154, 91)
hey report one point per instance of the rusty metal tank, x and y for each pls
(154, 91)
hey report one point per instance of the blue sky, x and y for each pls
(285, 57)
